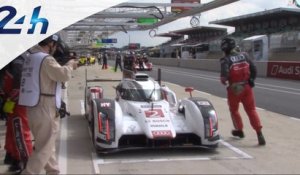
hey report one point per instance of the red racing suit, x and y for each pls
(239, 71)
(18, 142)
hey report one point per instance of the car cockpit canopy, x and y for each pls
(141, 89)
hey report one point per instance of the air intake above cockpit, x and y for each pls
(141, 77)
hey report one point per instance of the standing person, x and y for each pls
(238, 72)
(105, 57)
(18, 142)
(129, 62)
(145, 58)
(40, 91)
(99, 58)
(140, 61)
(118, 61)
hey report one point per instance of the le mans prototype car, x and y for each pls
(146, 66)
(145, 114)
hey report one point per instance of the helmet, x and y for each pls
(62, 53)
(51, 38)
(227, 44)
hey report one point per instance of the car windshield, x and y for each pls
(142, 95)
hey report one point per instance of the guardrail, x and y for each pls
(275, 69)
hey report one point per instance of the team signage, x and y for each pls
(286, 70)
(183, 9)
(109, 40)
(134, 46)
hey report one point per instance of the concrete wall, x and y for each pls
(203, 64)
(285, 55)
(165, 61)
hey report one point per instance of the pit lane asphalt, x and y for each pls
(277, 95)
(234, 156)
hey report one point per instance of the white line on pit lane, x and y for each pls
(62, 156)
(276, 90)
(212, 78)
(95, 159)
(296, 119)
(243, 155)
(96, 163)
(82, 107)
(260, 109)
(236, 150)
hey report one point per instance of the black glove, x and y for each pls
(251, 82)
(63, 110)
(3, 115)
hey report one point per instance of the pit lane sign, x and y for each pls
(286, 70)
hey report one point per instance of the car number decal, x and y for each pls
(154, 113)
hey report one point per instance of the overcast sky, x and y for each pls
(241, 7)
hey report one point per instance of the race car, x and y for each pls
(146, 66)
(145, 114)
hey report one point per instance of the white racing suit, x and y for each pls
(43, 119)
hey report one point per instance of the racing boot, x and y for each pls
(261, 138)
(17, 166)
(238, 133)
(8, 159)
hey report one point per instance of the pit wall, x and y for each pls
(274, 69)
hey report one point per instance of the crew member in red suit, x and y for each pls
(238, 73)
(18, 142)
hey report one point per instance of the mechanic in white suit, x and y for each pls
(40, 91)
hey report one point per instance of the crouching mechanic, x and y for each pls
(40, 91)
(238, 72)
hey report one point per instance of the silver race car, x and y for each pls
(147, 115)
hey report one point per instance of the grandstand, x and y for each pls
(280, 25)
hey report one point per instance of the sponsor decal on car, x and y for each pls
(150, 106)
(102, 136)
(105, 105)
(154, 113)
(162, 133)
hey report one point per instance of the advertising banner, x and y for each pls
(285, 70)
(109, 40)
(134, 46)
(23, 23)
(182, 9)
